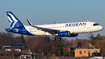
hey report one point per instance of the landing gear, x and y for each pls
(90, 35)
(57, 38)
(48, 38)
(54, 39)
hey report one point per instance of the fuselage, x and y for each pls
(73, 27)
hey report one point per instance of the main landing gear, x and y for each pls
(57, 38)
(48, 38)
(54, 38)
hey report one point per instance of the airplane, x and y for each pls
(71, 29)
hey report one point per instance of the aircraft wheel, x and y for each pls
(59, 39)
(54, 39)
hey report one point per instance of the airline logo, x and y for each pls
(75, 24)
(12, 20)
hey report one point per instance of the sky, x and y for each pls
(60, 11)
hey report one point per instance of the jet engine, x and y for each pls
(67, 34)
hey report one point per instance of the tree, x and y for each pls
(83, 42)
(79, 44)
(23, 52)
(58, 53)
(22, 39)
(71, 53)
(50, 53)
(64, 53)
(98, 44)
(13, 52)
(103, 49)
(92, 40)
(98, 36)
(29, 40)
(6, 38)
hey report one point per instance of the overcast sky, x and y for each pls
(48, 11)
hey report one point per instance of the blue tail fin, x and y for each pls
(13, 20)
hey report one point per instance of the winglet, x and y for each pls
(29, 22)
(55, 22)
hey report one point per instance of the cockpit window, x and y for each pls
(95, 24)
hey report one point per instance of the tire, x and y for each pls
(54, 39)
(59, 39)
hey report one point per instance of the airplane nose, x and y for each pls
(101, 28)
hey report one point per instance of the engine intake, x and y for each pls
(74, 35)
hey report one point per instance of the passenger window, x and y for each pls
(95, 24)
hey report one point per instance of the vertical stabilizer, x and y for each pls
(13, 20)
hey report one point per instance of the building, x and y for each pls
(17, 47)
(85, 52)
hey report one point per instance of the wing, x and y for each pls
(51, 31)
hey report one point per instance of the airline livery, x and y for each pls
(57, 30)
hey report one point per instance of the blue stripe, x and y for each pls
(10, 21)
(18, 24)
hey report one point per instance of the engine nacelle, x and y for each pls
(67, 34)
(64, 34)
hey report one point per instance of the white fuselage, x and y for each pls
(74, 27)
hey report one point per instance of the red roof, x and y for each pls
(67, 49)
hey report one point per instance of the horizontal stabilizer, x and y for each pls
(11, 30)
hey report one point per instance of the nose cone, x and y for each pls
(101, 28)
